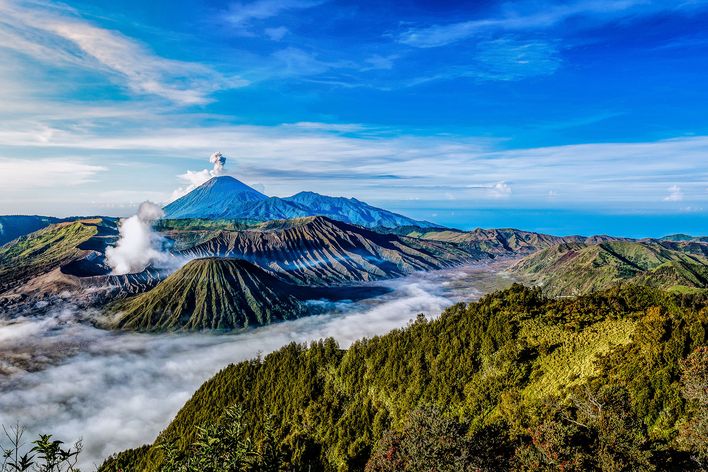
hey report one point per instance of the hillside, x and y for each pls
(575, 268)
(228, 198)
(210, 294)
(45, 250)
(608, 381)
(14, 226)
(320, 251)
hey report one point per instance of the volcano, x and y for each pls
(211, 293)
(225, 197)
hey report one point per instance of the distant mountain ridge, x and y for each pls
(14, 226)
(498, 241)
(575, 268)
(225, 197)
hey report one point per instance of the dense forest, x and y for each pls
(615, 380)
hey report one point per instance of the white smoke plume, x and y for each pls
(139, 245)
(194, 179)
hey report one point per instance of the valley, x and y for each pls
(53, 366)
(245, 275)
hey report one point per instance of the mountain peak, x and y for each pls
(232, 184)
(216, 198)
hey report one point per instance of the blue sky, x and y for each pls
(576, 116)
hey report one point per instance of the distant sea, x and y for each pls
(562, 222)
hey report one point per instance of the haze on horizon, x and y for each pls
(567, 117)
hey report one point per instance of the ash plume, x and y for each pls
(219, 161)
(194, 179)
(139, 245)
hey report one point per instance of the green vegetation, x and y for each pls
(494, 242)
(44, 454)
(613, 380)
(197, 224)
(44, 250)
(576, 268)
(210, 293)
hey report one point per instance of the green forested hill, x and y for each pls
(575, 268)
(609, 381)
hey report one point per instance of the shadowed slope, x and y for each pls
(352, 211)
(320, 251)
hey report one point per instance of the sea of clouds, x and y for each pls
(58, 374)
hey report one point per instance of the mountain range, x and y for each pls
(225, 197)
(250, 253)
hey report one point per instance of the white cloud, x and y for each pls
(30, 174)
(61, 38)
(193, 179)
(675, 194)
(500, 190)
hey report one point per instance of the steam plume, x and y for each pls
(138, 246)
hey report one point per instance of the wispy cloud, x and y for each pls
(353, 160)
(532, 16)
(30, 174)
(59, 36)
(495, 191)
(240, 15)
(511, 59)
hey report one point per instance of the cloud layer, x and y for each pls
(119, 390)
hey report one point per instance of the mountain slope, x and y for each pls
(320, 251)
(216, 198)
(592, 383)
(497, 242)
(227, 198)
(211, 293)
(45, 250)
(576, 268)
(352, 211)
